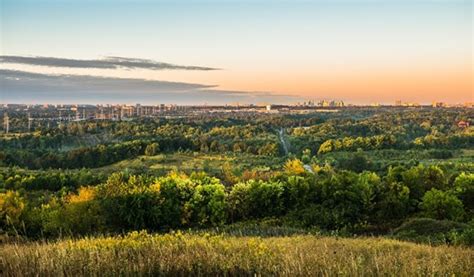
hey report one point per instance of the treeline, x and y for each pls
(387, 130)
(51, 180)
(352, 144)
(328, 199)
(389, 141)
(106, 154)
(86, 157)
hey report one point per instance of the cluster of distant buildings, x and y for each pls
(46, 114)
(446, 105)
(120, 112)
(82, 112)
(322, 103)
(434, 104)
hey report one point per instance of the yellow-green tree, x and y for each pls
(294, 167)
(11, 208)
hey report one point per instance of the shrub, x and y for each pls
(11, 209)
(464, 189)
(466, 237)
(152, 149)
(130, 202)
(428, 230)
(238, 202)
(294, 167)
(175, 191)
(393, 202)
(438, 204)
(208, 205)
(256, 199)
(440, 154)
(420, 179)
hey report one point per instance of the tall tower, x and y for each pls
(30, 120)
(122, 112)
(6, 122)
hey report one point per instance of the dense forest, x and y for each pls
(357, 171)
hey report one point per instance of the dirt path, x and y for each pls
(283, 141)
(286, 147)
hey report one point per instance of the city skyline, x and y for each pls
(198, 52)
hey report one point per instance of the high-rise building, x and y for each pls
(30, 120)
(6, 122)
(138, 110)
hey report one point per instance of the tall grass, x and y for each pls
(139, 253)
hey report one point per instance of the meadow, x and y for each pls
(184, 254)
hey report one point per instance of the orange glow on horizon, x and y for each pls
(452, 83)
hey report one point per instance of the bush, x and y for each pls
(208, 205)
(130, 203)
(464, 189)
(152, 149)
(466, 237)
(315, 215)
(256, 199)
(429, 230)
(438, 204)
(440, 154)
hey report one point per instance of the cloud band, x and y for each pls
(104, 63)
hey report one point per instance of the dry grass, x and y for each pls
(191, 254)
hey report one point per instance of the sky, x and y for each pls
(229, 51)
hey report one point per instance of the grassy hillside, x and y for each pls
(204, 254)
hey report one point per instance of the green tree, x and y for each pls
(208, 205)
(176, 191)
(239, 203)
(420, 179)
(464, 189)
(130, 202)
(326, 147)
(393, 202)
(256, 199)
(438, 204)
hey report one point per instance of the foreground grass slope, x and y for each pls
(185, 254)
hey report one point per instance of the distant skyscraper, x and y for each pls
(30, 120)
(6, 123)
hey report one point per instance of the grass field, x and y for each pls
(139, 253)
(189, 162)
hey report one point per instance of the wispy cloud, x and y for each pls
(103, 63)
(35, 81)
(29, 87)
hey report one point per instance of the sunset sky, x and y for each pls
(236, 51)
